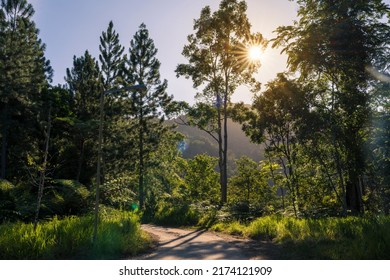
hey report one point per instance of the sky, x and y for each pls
(70, 27)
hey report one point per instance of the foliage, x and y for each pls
(25, 74)
(146, 106)
(251, 190)
(85, 87)
(335, 46)
(7, 201)
(173, 212)
(70, 238)
(201, 179)
(326, 238)
(218, 61)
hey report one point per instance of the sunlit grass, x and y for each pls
(327, 238)
(119, 235)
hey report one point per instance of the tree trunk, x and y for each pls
(44, 169)
(225, 146)
(141, 159)
(141, 169)
(220, 147)
(98, 181)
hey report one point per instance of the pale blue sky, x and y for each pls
(69, 27)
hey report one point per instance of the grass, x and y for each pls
(168, 214)
(326, 238)
(119, 236)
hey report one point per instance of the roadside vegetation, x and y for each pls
(362, 238)
(119, 236)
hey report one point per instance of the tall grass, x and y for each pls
(119, 235)
(326, 238)
(175, 215)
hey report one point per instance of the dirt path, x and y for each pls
(179, 244)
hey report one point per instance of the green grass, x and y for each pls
(168, 214)
(326, 238)
(119, 236)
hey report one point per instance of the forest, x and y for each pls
(94, 158)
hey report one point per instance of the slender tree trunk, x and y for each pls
(337, 153)
(42, 176)
(353, 184)
(98, 177)
(141, 161)
(141, 170)
(290, 186)
(225, 146)
(220, 147)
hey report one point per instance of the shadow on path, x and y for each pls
(179, 244)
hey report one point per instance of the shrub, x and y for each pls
(71, 238)
(179, 214)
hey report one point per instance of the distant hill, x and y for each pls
(199, 142)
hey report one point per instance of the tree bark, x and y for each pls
(141, 167)
(225, 146)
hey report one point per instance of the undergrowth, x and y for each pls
(119, 235)
(325, 238)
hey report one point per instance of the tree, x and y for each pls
(146, 110)
(85, 85)
(276, 118)
(24, 74)
(247, 180)
(250, 185)
(202, 179)
(334, 43)
(218, 61)
(110, 56)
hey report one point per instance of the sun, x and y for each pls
(254, 53)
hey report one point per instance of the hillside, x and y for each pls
(199, 142)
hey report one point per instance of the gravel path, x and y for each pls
(180, 244)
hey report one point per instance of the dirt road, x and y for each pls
(179, 244)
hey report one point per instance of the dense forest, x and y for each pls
(314, 143)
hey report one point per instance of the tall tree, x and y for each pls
(276, 118)
(111, 56)
(111, 59)
(219, 62)
(24, 74)
(85, 85)
(147, 106)
(334, 43)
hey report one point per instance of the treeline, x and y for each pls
(52, 155)
(103, 135)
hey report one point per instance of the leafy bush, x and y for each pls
(74, 198)
(176, 214)
(7, 201)
(71, 238)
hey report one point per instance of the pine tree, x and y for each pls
(110, 56)
(147, 107)
(85, 85)
(111, 60)
(24, 74)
